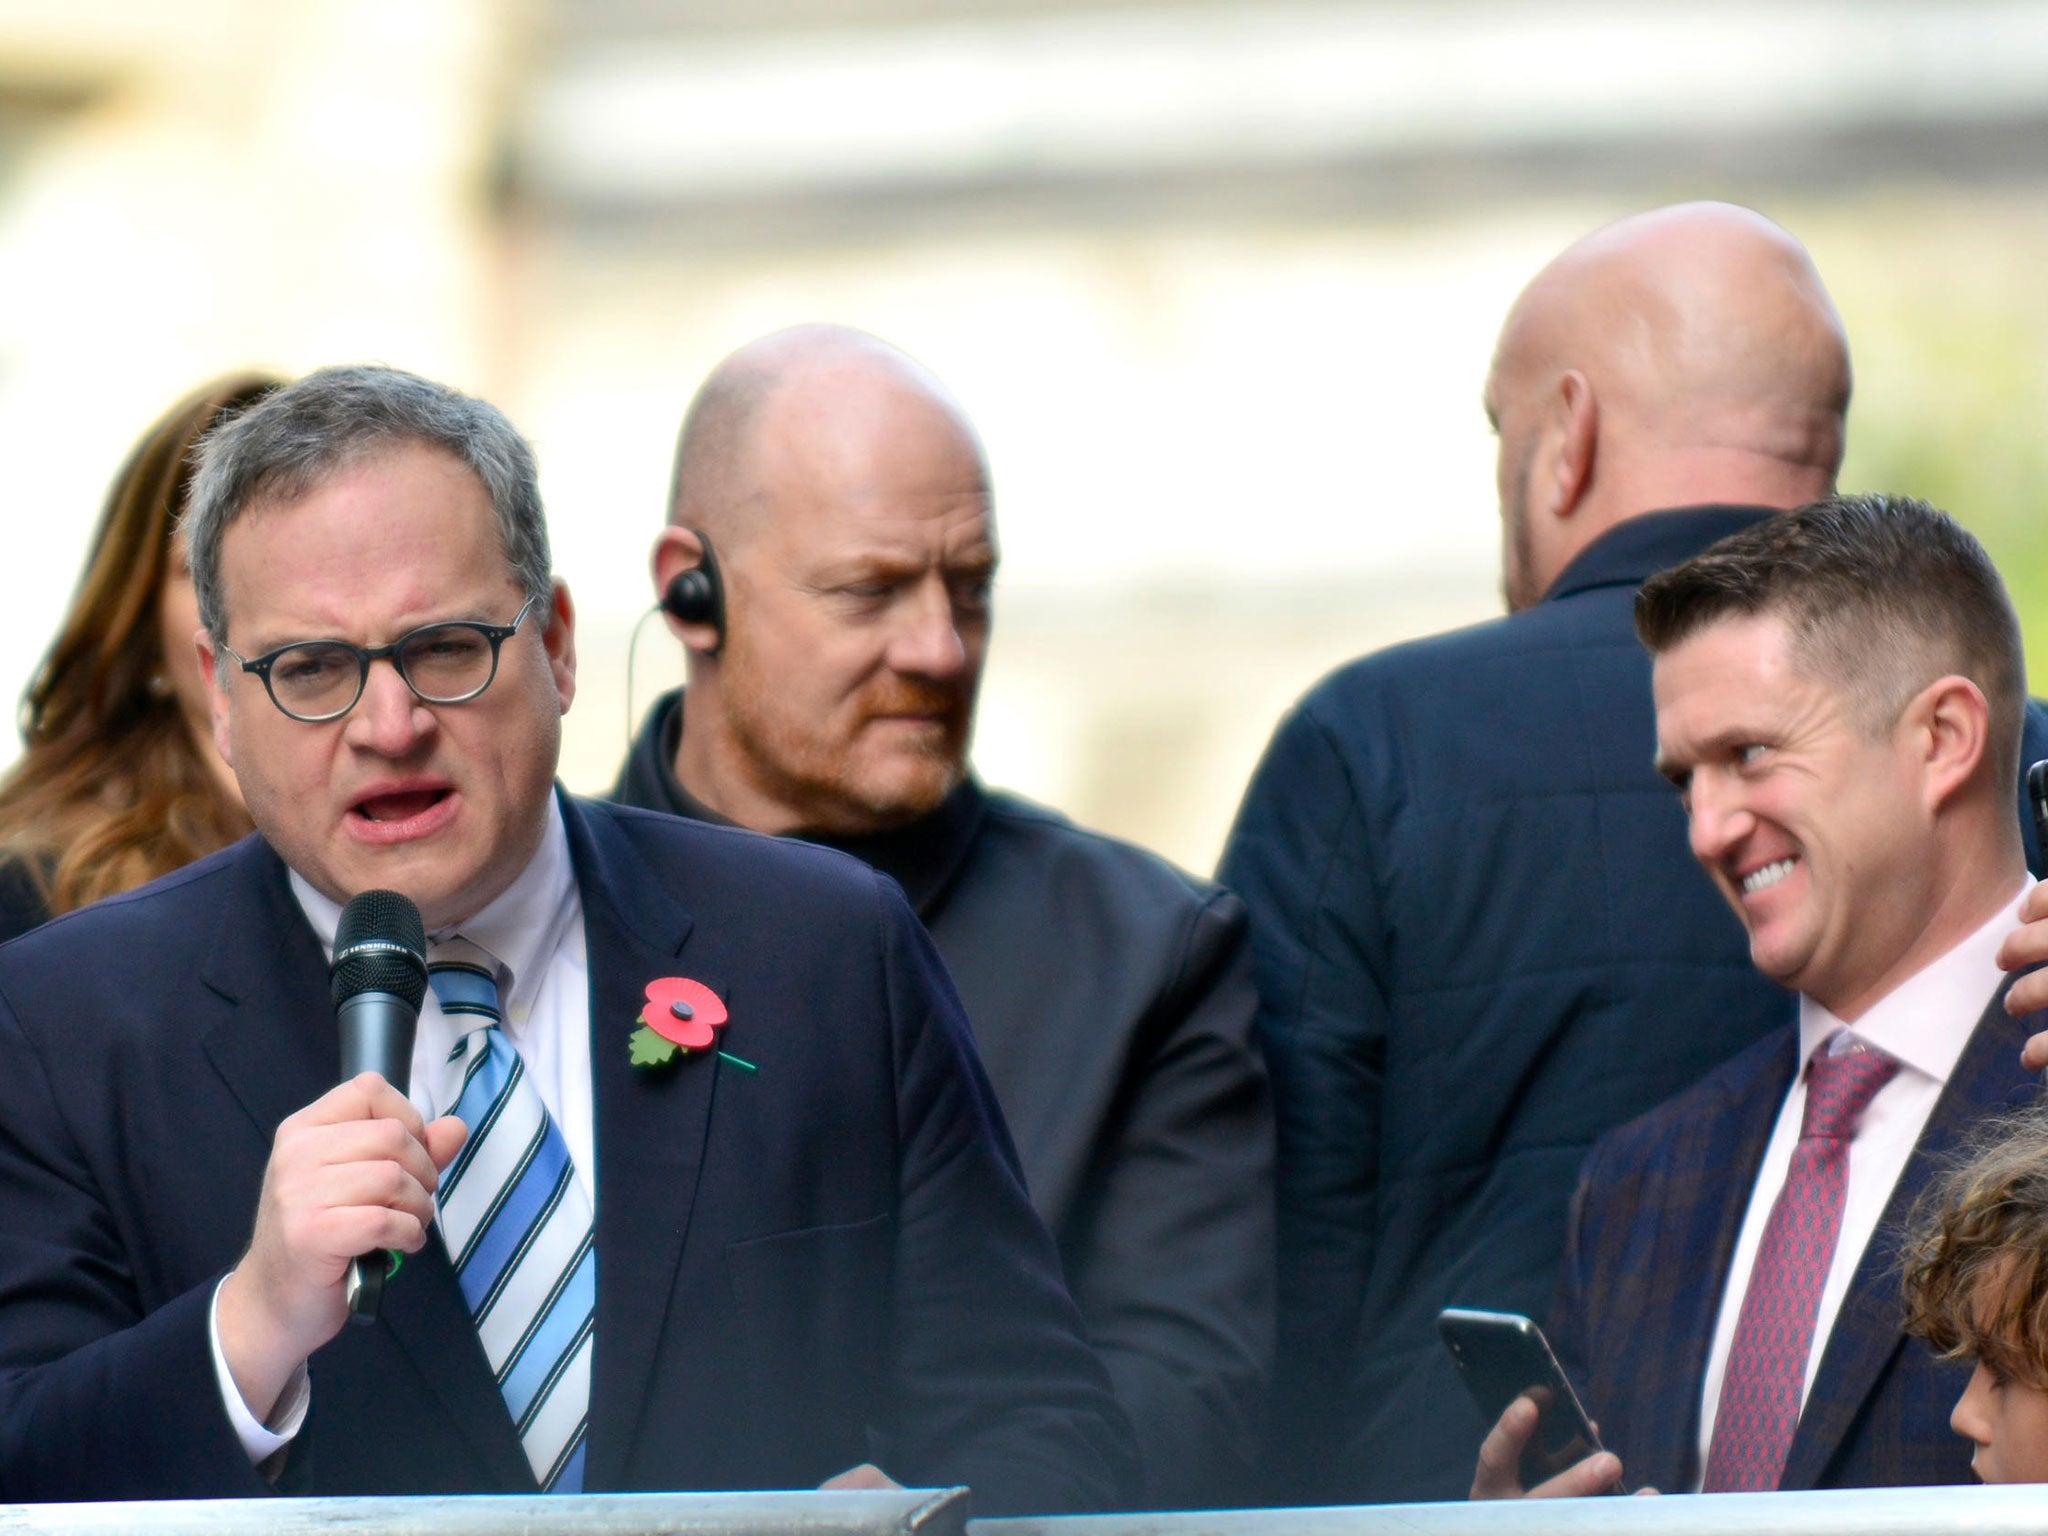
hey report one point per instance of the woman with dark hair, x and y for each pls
(119, 781)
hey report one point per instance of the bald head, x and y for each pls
(808, 392)
(1688, 354)
(847, 500)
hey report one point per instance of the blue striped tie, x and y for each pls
(517, 1226)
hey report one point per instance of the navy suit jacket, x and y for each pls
(826, 1261)
(1653, 1231)
(1481, 943)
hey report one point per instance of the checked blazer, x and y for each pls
(1652, 1233)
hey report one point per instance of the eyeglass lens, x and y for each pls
(444, 664)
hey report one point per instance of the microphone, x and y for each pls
(377, 981)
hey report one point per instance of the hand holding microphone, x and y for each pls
(377, 982)
(351, 1177)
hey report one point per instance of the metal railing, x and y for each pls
(913, 1512)
(2009, 1511)
(2012, 1511)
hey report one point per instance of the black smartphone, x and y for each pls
(2037, 798)
(1503, 1355)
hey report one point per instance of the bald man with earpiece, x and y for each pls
(838, 492)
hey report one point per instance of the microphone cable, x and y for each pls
(632, 649)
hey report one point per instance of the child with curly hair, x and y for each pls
(1976, 1280)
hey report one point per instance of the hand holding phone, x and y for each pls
(1502, 1357)
(2037, 802)
(2026, 947)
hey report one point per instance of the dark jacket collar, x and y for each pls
(923, 856)
(1632, 551)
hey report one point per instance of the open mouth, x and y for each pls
(393, 816)
(402, 806)
(1766, 877)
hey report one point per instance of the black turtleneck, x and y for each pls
(922, 856)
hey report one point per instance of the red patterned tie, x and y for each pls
(1767, 1362)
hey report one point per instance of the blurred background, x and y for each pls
(1218, 282)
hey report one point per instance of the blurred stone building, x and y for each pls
(1219, 282)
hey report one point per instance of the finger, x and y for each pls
(387, 1103)
(2027, 993)
(304, 1205)
(311, 1148)
(382, 1185)
(2034, 1054)
(341, 1233)
(2035, 903)
(2026, 944)
(1596, 1474)
(444, 1139)
(366, 1096)
(866, 1475)
(309, 1244)
(309, 1208)
(1499, 1473)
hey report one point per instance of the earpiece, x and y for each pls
(697, 596)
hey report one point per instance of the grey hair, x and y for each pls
(295, 439)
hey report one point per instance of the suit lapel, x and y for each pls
(266, 971)
(425, 1316)
(1700, 1248)
(276, 1048)
(651, 1126)
(1866, 1335)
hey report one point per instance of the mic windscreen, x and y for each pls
(379, 946)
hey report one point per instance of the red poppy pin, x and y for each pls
(679, 1016)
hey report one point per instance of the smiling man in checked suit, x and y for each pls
(811, 1262)
(1839, 701)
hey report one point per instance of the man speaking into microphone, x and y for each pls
(698, 1183)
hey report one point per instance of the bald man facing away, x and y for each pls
(840, 495)
(1481, 940)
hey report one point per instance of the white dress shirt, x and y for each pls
(1924, 1022)
(534, 928)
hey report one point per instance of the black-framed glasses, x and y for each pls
(446, 663)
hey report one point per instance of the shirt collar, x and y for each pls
(1925, 1020)
(521, 926)
(1627, 553)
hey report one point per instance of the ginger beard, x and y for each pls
(886, 754)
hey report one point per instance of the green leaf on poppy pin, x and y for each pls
(650, 1050)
